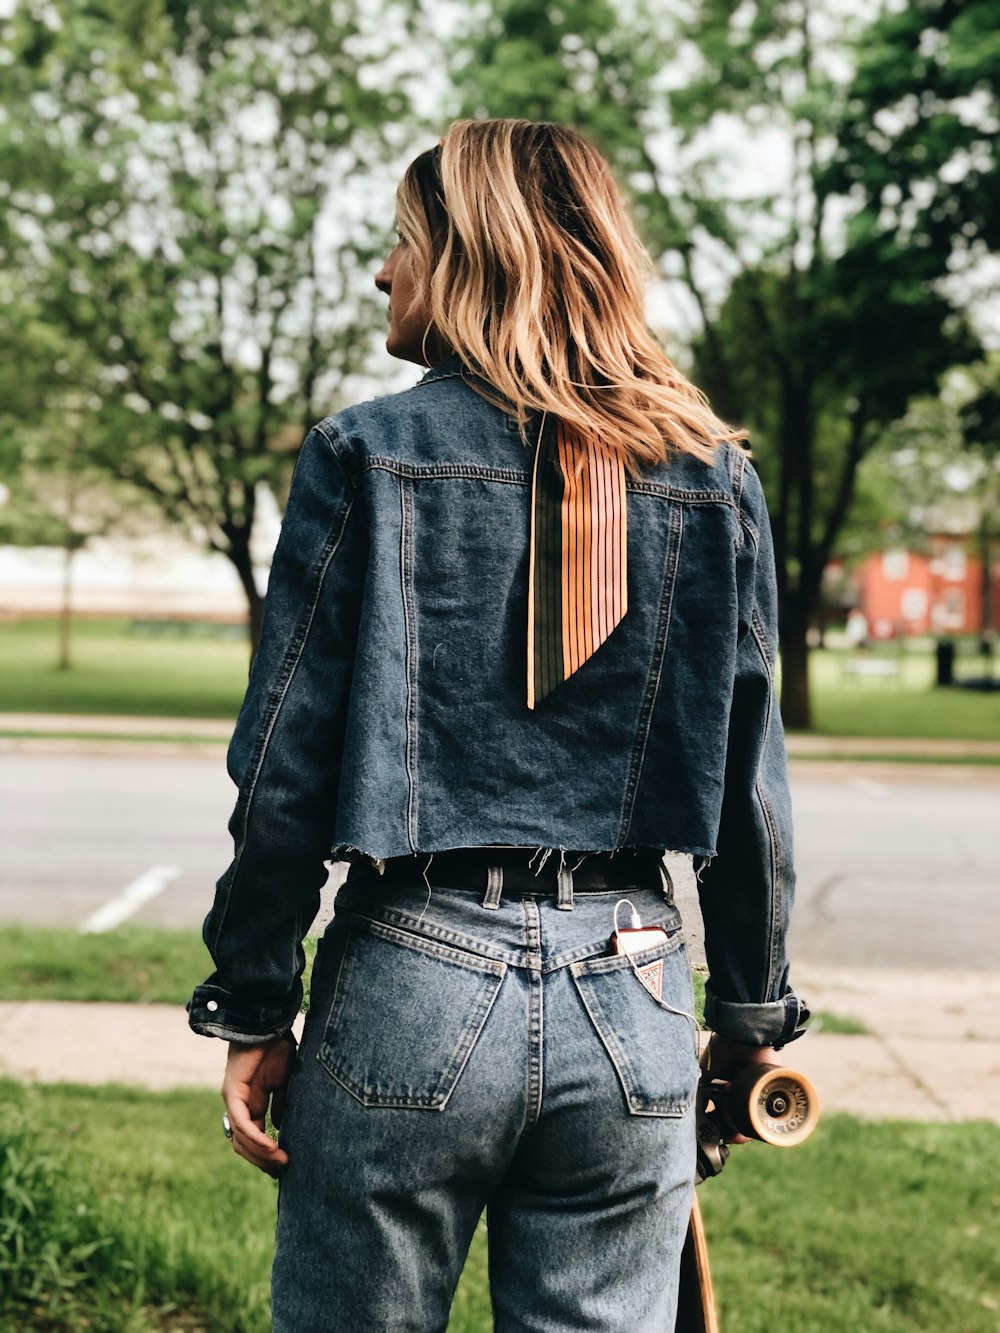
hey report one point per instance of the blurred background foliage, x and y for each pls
(194, 198)
(177, 249)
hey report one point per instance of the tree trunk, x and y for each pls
(70, 545)
(66, 609)
(239, 554)
(986, 584)
(797, 594)
(796, 708)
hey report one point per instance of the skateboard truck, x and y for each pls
(770, 1103)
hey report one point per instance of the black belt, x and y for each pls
(466, 868)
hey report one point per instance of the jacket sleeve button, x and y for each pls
(212, 1006)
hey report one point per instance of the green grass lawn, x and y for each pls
(133, 963)
(900, 706)
(118, 671)
(939, 715)
(148, 965)
(129, 965)
(868, 1226)
(125, 1212)
(841, 1025)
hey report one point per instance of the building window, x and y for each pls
(913, 605)
(954, 564)
(895, 566)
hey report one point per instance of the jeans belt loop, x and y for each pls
(564, 893)
(494, 887)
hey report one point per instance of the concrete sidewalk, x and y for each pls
(111, 724)
(93, 734)
(932, 1051)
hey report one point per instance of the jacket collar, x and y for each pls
(451, 365)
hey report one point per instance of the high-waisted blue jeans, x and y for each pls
(461, 1055)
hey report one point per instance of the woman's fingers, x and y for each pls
(249, 1139)
(255, 1075)
(722, 1059)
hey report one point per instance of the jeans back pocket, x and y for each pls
(406, 1013)
(652, 1047)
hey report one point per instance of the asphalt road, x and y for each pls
(901, 869)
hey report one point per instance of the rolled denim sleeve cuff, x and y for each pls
(215, 1012)
(774, 1024)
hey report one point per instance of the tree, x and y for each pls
(917, 138)
(923, 476)
(57, 498)
(816, 320)
(176, 206)
(936, 469)
(918, 143)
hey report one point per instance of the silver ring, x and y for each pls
(227, 1128)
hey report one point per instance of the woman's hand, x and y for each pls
(724, 1059)
(256, 1075)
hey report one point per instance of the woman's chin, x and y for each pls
(404, 349)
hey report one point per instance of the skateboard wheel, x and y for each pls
(776, 1105)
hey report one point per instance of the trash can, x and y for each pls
(945, 653)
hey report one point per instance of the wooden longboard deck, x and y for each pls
(769, 1102)
(696, 1302)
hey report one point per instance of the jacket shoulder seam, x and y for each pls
(335, 443)
(737, 472)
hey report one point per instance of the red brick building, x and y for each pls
(901, 592)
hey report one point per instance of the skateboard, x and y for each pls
(770, 1103)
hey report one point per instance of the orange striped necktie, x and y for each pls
(577, 584)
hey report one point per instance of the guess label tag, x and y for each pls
(651, 977)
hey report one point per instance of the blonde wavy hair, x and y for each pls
(533, 274)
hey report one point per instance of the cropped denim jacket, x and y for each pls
(386, 708)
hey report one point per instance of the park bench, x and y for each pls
(157, 627)
(874, 668)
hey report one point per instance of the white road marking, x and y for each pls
(150, 883)
(869, 786)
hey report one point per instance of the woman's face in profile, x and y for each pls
(407, 323)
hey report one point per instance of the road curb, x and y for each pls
(927, 768)
(896, 770)
(145, 748)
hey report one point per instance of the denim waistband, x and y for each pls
(521, 930)
(528, 870)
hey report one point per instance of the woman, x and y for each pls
(520, 637)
